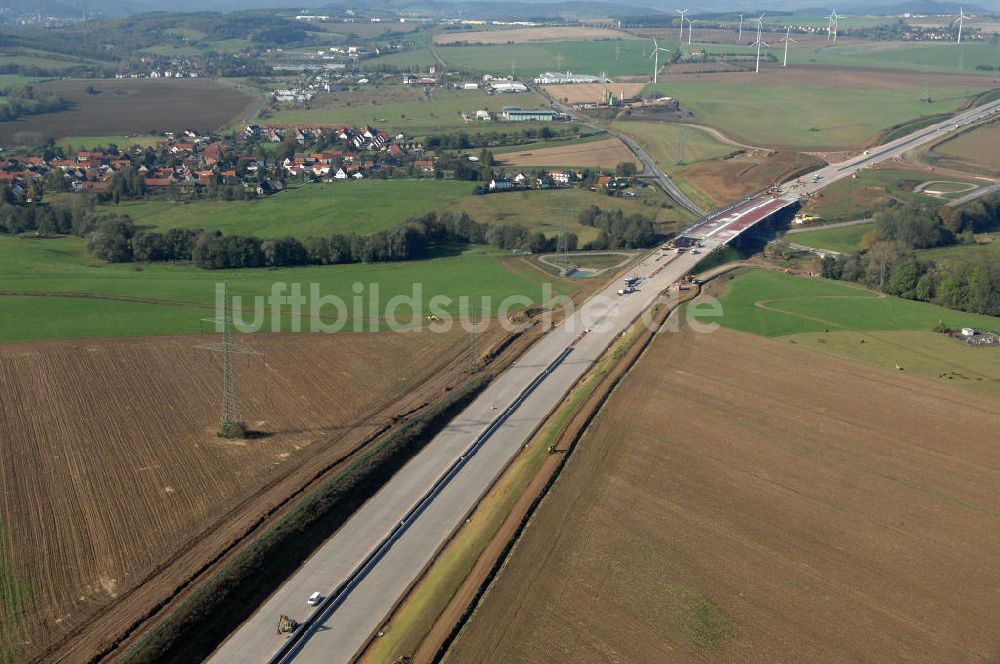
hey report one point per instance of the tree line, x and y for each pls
(889, 262)
(116, 239)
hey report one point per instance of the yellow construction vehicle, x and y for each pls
(286, 625)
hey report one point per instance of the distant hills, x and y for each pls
(486, 9)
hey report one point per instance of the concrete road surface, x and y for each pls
(338, 634)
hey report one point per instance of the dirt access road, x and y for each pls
(707, 516)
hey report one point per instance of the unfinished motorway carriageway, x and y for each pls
(372, 561)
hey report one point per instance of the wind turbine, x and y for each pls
(831, 29)
(960, 20)
(788, 38)
(760, 41)
(739, 40)
(656, 58)
(690, 30)
(682, 23)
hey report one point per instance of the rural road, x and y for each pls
(649, 166)
(658, 175)
(821, 227)
(971, 196)
(375, 557)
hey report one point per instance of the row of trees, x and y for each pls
(116, 239)
(889, 263)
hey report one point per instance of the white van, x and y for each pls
(314, 599)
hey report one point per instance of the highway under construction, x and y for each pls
(373, 560)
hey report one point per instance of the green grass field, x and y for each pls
(776, 304)
(663, 142)
(845, 240)
(987, 252)
(417, 57)
(171, 298)
(415, 117)
(582, 57)
(374, 205)
(362, 207)
(91, 142)
(852, 322)
(929, 57)
(857, 198)
(807, 116)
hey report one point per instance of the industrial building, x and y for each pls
(518, 114)
(558, 77)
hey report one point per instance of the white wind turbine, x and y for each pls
(960, 20)
(739, 40)
(788, 38)
(690, 30)
(681, 40)
(833, 26)
(760, 41)
(656, 58)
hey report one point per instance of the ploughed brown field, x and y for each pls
(110, 466)
(606, 153)
(587, 93)
(740, 499)
(730, 178)
(133, 106)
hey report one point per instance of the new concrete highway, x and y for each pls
(371, 562)
(534, 386)
(845, 169)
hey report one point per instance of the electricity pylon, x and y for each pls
(231, 424)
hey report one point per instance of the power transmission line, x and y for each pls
(231, 424)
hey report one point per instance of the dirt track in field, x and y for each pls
(740, 499)
(528, 35)
(115, 488)
(606, 153)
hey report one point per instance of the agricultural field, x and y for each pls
(417, 57)
(134, 107)
(318, 209)
(555, 209)
(400, 108)
(742, 499)
(590, 93)
(527, 35)
(673, 145)
(857, 198)
(848, 109)
(918, 57)
(842, 239)
(976, 150)
(603, 154)
(116, 439)
(52, 289)
(71, 143)
(581, 57)
(834, 317)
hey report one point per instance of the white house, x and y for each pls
(497, 184)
